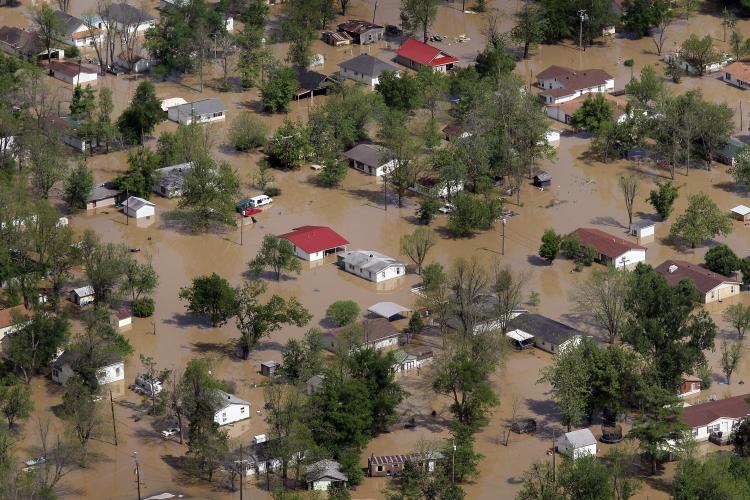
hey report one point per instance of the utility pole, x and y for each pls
(554, 452)
(114, 423)
(242, 471)
(741, 124)
(137, 474)
(127, 208)
(374, 11)
(503, 249)
(385, 191)
(453, 463)
(583, 17)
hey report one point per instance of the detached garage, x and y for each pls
(138, 208)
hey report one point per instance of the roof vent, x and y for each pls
(672, 268)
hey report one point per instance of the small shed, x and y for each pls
(336, 38)
(741, 213)
(268, 368)
(389, 310)
(642, 228)
(82, 296)
(123, 318)
(577, 444)
(138, 208)
(542, 179)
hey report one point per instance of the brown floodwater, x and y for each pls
(582, 194)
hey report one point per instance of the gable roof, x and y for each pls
(202, 107)
(70, 357)
(703, 279)
(84, 291)
(373, 155)
(312, 80)
(373, 330)
(103, 191)
(228, 400)
(572, 80)
(370, 261)
(312, 239)
(71, 69)
(605, 243)
(705, 413)
(127, 14)
(580, 438)
(68, 24)
(135, 203)
(358, 27)
(324, 469)
(739, 70)
(6, 315)
(617, 104)
(542, 327)
(368, 65)
(423, 53)
(23, 42)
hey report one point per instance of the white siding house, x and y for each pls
(138, 208)
(738, 74)
(366, 69)
(7, 325)
(371, 265)
(113, 369)
(577, 444)
(560, 84)
(231, 409)
(205, 111)
(371, 159)
(611, 249)
(715, 416)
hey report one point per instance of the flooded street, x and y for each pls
(583, 194)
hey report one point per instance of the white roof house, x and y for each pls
(138, 208)
(577, 444)
(388, 310)
(83, 295)
(231, 409)
(741, 212)
(371, 265)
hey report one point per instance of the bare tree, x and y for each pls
(47, 26)
(417, 244)
(225, 44)
(603, 296)
(629, 187)
(64, 5)
(468, 281)
(174, 400)
(730, 358)
(61, 455)
(659, 34)
(98, 37)
(508, 286)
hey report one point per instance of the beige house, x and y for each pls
(713, 286)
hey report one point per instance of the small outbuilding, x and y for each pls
(542, 179)
(741, 213)
(362, 32)
(73, 73)
(577, 444)
(138, 208)
(642, 228)
(268, 368)
(547, 334)
(389, 310)
(170, 181)
(689, 385)
(312, 83)
(728, 153)
(336, 38)
(123, 318)
(521, 339)
(82, 296)
(103, 195)
(321, 475)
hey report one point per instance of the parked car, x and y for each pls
(524, 426)
(34, 463)
(259, 201)
(168, 433)
(249, 212)
(146, 386)
(447, 208)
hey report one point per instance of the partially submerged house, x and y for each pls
(738, 74)
(268, 368)
(371, 265)
(336, 38)
(64, 128)
(689, 385)
(577, 444)
(111, 370)
(715, 416)
(642, 228)
(376, 334)
(415, 55)
(26, 44)
(8, 315)
(611, 249)
(126, 17)
(313, 243)
(203, 111)
(371, 159)
(545, 333)
(123, 318)
(712, 286)
(362, 32)
(741, 213)
(713, 67)
(542, 179)
(563, 111)
(229, 409)
(313, 384)
(312, 83)
(74, 30)
(411, 359)
(319, 476)
(560, 84)
(138, 61)
(82, 296)
(170, 181)
(434, 186)
(728, 153)
(104, 195)
(138, 208)
(393, 465)
(366, 69)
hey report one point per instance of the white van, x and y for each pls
(259, 201)
(143, 385)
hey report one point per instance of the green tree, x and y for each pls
(741, 168)
(105, 270)
(80, 414)
(702, 220)
(699, 52)
(374, 369)
(47, 26)
(289, 146)
(142, 115)
(104, 128)
(718, 476)
(417, 16)
(16, 402)
(586, 477)
(276, 254)
(256, 320)
(212, 297)
(730, 358)
(341, 415)
(473, 213)
(647, 89)
(78, 186)
(400, 93)
(663, 197)
(594, 111)
(247, 132)
(417, 245)
(713, 129)
(303, 359)
(36, 344)
(530, 28)
(569, 377)
(738, 316)
(333, 173)
(550, 246)
(465, 460)
(342, 312)
(721, 259)
(495, 61)
(138, 180)
(540, 483)
(428, 208)
(641, 16)
(278, 90)
(740, 437)
(140, 279)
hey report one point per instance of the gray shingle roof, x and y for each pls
(543, 327)
(367, 65)
(370, 261)
(103, 191)
(126, 14)
(228, 400)
(67, 23)
(325, 469)
(371, 155)
(580, 438)
(198, 108)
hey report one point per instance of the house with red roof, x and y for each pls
(312, 243)
(611, 249)
(716, 417)
(560, 84)
(415, 54)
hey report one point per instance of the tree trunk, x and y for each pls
(526, 50)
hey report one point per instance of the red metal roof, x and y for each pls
(605, 243)
(423, 53)
(313, 239)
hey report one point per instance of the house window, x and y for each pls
(731, 289)
(713, 294)
(369, 275)
(242, 409)
(713, 428)
(398, 270)
(224, 416)
(382, 275)
(380, 468)
(695, 432)
(117, 371)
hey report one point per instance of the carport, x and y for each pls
(521, 339)
(389, 310)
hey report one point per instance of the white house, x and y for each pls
(230, 409)
(366, 69)
(123, 318)
(738, 74)
(82, 296)
(204, 111)
(7, 325)
(112, 370)
(560, 84)
(73, 73)
(74, 30)
(371, 265)
(411, 359)
(689, 68)
(432, 186)
(126, 17)
(563, 111)
(577, 444)
(611, 249)
(377, 334)
(138, 208)
(715, 416)
(371, 159)
(712, 286)
(138, 62)
(642, 228)
(65, 129)
(321, 475)
(313, 243)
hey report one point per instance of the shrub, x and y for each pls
(272, 191)
(333, 173)
(247, 132)
(428, 209)
(343, 312)
(144, 307)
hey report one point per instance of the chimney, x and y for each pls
(672, 268)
